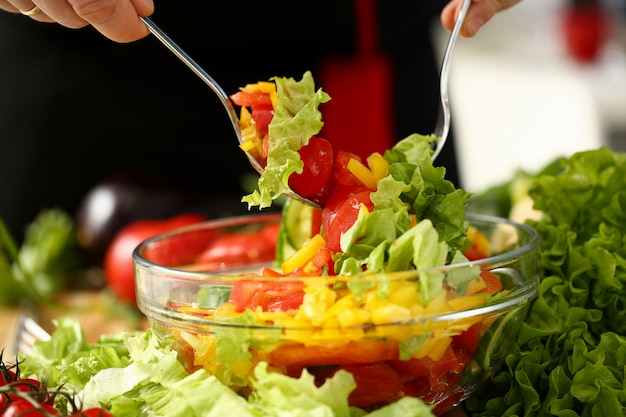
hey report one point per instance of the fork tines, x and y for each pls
(27, 333)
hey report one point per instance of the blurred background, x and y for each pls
(543, 79)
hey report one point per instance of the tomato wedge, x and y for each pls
(270, 295)
(341, 212)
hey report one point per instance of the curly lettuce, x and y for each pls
(570, 356)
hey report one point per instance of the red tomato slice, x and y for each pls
(258, 98)
(494, 285)
(343, 175)
(376, 384)
(340, 213)
(272, 295)
(262, 116)
(350, 353)
(317, 157)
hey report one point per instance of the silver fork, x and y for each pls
(27, 332)
(443, 122)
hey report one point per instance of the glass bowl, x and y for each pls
(376, 327)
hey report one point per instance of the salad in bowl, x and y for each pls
(385, 281)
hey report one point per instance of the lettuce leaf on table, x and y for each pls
(570, 356)
(137, 373)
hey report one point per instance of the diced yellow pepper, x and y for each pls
(464, 303)
(404, 294)
(274, 98)
(479, 239)
(378, 165)
(434, 347)
(362, 172)
(245, 117)
(475, 285)
(304, 254)
(262, 86)
(390, 313)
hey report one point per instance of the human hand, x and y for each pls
(116, 19)
(479, 13)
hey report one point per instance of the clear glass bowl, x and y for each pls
(373, 326)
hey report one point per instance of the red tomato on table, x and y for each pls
(118, 265)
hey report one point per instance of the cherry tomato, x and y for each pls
(35, 388)
(340, 213)
(118, 264)
(21, 407)
(317, 157)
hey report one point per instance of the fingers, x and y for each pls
(479, 13)
(118, 20)
(25, 7)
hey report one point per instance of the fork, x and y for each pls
(27, 332)
(442, 127)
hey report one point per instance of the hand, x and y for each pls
(116, 19)
(479, 13)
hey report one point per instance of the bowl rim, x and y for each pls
(522, 294)
(533, 243)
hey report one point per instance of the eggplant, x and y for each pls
(127, 197)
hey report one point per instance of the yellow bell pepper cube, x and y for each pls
(378, 165)
(362, 172)
(479, 239)
(304, 254)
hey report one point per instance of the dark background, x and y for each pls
(76, 108)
